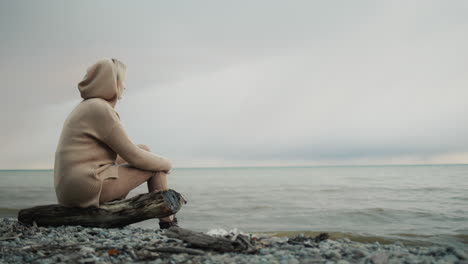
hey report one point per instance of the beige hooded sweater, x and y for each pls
(91, 138)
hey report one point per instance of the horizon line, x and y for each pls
(290, 166)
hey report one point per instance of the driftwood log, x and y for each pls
(109, 215)
(237, 243)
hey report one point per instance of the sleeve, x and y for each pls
(119, 141)
(110, 131)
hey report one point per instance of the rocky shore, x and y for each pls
(76, 244)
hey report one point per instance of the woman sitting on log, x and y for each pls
(95, 161)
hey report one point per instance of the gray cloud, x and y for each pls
(266, 82)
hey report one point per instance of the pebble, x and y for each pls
(342, 262)
(379, 258)
(133, 245)
(333, 254)
(87, 250)
(359, 253)
(460, 254)
(88, 260)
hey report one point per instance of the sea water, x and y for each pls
(419, 203)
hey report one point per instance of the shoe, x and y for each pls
(165, 225)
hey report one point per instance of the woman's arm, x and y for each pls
(119, 141)
(105, 125)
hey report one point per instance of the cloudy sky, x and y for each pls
(245, 83)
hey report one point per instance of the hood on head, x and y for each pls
(99, 81)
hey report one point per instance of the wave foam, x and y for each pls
(224, 232)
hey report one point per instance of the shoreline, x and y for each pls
(76, 244)
(459, 240)
(410, 239)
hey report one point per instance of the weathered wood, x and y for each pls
(177, 250)
(239, 243)
(109, 215)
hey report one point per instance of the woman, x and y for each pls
(95, 160)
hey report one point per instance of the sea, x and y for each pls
(413, 204)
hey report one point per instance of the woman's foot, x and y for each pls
(167, 224)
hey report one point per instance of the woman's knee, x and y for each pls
(143, 146)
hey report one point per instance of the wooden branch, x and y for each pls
(109, 215)
(177, 250)
(197, 239)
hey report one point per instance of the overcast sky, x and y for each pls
(245, 83)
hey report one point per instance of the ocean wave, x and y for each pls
(223, 232)
(404, 238)
(404, 213)
(460, 198)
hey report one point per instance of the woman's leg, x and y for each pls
(130, 178)
(159, 182)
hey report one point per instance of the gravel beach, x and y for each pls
(76, 244)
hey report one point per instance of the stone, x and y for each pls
(333, 254)
(87, 260)
(359, 253)
(264, 251)
(460, 254)
(341, 261)
(87, 250)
